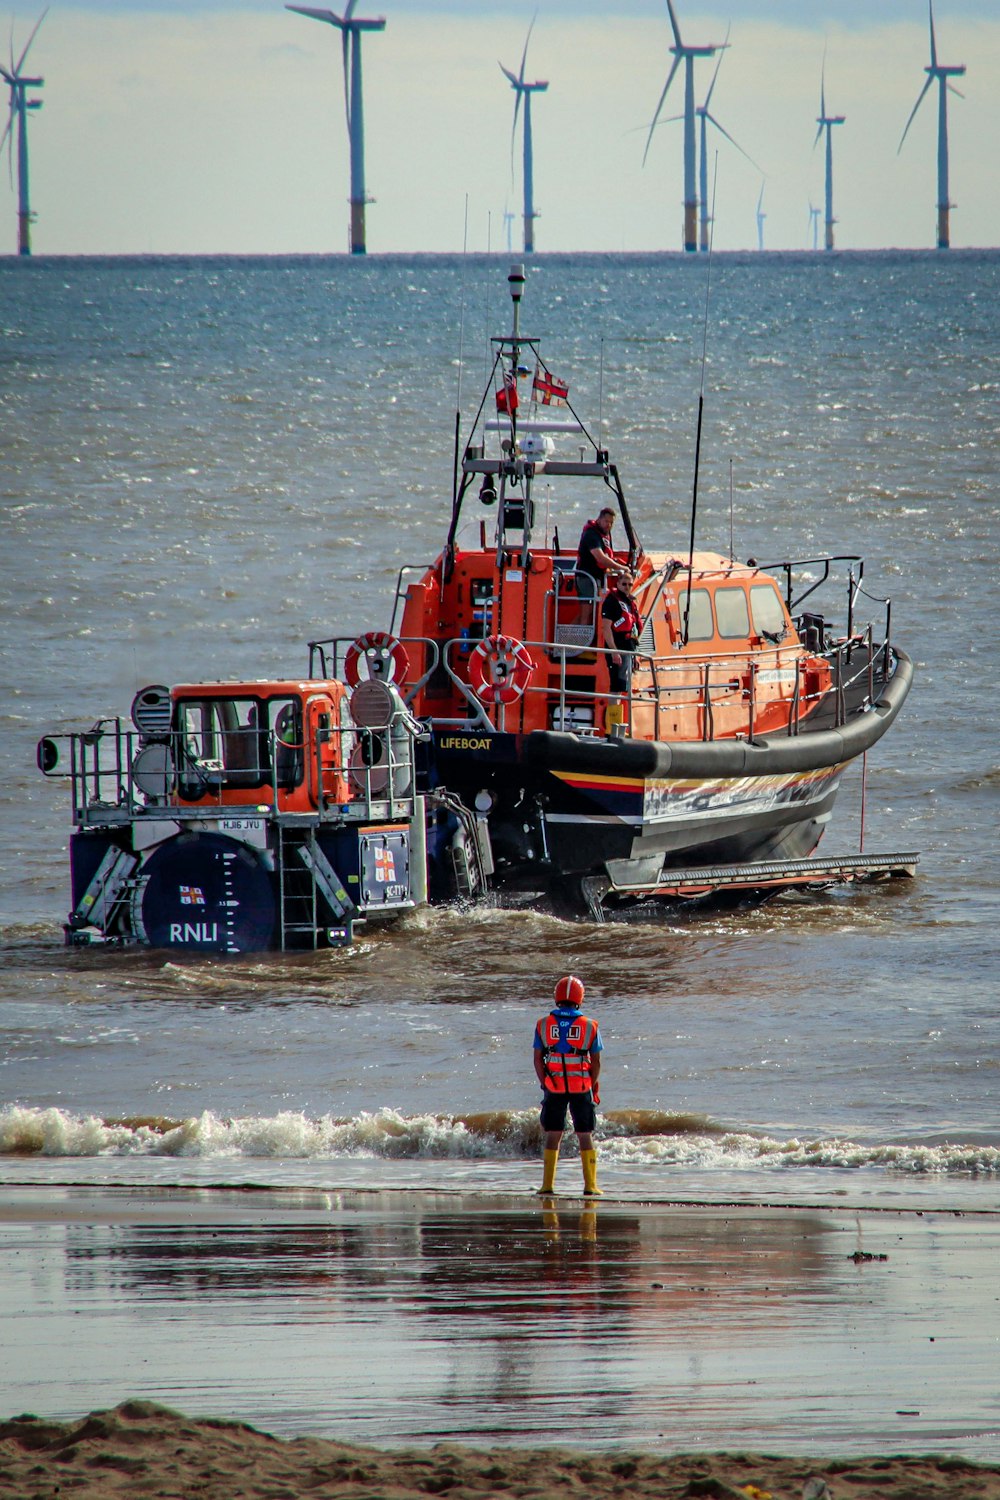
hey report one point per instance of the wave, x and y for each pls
(632, 1138)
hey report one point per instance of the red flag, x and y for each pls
(548, 390)
(507, 398)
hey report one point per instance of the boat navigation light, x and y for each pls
(516, 282)
(488, 491)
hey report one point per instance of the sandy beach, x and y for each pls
(408, 1343)
(148, 1452)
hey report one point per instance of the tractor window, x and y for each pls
(285, 721)
(221, 738)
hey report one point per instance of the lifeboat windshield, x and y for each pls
(232, 739)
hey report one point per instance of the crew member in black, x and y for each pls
(596, 555)
(621, 627)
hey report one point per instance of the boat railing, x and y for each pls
(331, 658)
(812, 584)
(118, 775)
(670, 686)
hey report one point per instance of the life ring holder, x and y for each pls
(384, 657)
(500, 669)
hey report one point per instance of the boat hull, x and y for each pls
(562, 808)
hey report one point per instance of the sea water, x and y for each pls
(209, 462)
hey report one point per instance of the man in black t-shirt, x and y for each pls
(621, 626)
(596, 555)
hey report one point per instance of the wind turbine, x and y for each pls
(761, 216)
(826, 122)
(942, 73)
(685, 55)
(705, 118)
(19, 106)
(524, 91)
(814, 214)
(350, 30)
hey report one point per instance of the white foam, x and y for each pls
(388, 1134)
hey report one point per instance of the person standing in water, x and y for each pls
(567, 1059)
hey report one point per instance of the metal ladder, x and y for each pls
(305, 876)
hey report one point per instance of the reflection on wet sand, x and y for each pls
(385, 1317)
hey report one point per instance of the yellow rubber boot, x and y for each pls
(551, 1160)
(588, 1160)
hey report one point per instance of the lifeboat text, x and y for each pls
(194, 932)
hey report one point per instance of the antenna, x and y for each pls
(461, 355)
(351, 29)
(701, 411)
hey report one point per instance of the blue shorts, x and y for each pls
(581, 1108)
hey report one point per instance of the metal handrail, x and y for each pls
(104, 786)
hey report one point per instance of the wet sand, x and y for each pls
(143, 1451)
(446, 1337)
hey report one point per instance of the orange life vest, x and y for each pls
(567, 1072)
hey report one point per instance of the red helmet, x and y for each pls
(569, 991)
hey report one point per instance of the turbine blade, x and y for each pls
(920, 100)
(8, 136)
(346, 41)
(930, 12)
(957, 92)
(524, 54)
(819, 132)
(711, 86)
(731, 141)
(656, 116)
(514, 81)
(34, 33)
(673, 22)
(317, 15)
(348, 13)
(513, 128)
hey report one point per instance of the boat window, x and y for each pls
(732, 614)
(768, 610)
(700, 627)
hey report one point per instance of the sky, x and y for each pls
(218, 128)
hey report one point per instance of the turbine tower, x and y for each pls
(942, 73)
(827, 122)
(524, 91)
(705, 118)
(761, 216)
(350, 30)
(685, 55)
(19, 85)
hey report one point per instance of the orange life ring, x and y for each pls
(500, 669)
(385, 658)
